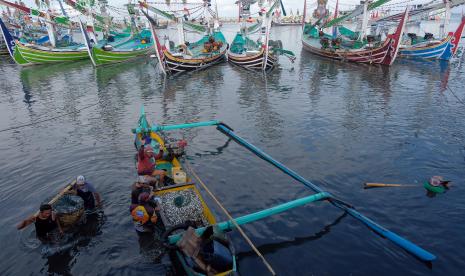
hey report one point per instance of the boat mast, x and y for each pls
(106, 18)
(216, 25)
(304, 14)
(365, 20)
(267, 10)
(181, 37)
(63, 11)
(52, 34)
(90, 25)
(335, 16)
(445, 26)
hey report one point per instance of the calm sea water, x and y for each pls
(337, 124)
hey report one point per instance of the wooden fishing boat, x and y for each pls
(320, 194)
(316, 43)
(256, 55)
(444, 49)
(209, 50)
(29, 54)
(251, 59)
(182, 205)
(108, 53)
(173, 62)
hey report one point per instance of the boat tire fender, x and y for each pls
(169, 231)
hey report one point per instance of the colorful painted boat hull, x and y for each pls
(443, 50)
(102, 57)
(385, 54)
(170, 64)
(254, 62)
(175, 65)
(26, 55)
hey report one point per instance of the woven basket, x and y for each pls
(69, 209)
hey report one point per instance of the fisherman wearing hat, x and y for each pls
(87, 192)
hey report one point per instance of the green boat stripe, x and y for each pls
(25, 49)
(59, 55)
(44, 57)
(118, 56)
(41, 60)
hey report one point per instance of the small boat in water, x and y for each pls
(138, 44)
(187, 56)
(108, 53)
(182, 208)
(257, 55)
(443, 49)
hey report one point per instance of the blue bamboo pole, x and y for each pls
(403, 243)
(173, 127)
(229, 225)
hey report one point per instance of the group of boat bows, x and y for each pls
(324, 34)
(135, 41)
(345, 44)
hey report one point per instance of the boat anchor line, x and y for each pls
(407, 245)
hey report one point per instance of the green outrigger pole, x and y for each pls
(229, 225)
(407, 245)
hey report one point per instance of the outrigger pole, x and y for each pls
(407, 245)
(404, 243)
(229, 225)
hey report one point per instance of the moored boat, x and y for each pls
(108, 53)
(315, 42)
(29, 54)
(256, 55)
(209, 50)
(443, 49)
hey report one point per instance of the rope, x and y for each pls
(455, 95)
(48, 119)
(268, 266)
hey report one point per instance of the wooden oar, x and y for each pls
(383, 185)
(28, 221)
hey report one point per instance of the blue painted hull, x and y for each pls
(442, 50)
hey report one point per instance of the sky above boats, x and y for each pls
(228, 8)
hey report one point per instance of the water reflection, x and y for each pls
(273, 247)
(256, 96)
(105, 74)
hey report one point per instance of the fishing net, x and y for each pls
(69, 209)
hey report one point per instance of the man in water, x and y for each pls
(45, 222)
(87, 192)
(143, 214)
